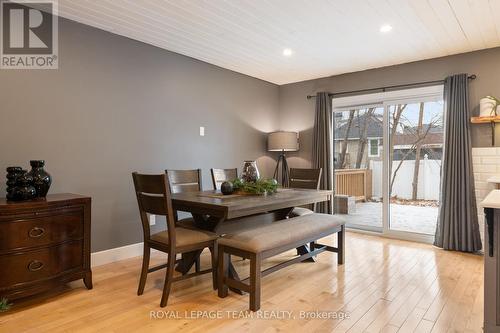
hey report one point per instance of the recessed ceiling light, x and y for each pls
(287, 52)
(385, 28)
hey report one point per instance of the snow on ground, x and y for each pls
(403, 217)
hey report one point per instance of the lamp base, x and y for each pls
(284, 170)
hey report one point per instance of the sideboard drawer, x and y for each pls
(41, 231)
(40, 264)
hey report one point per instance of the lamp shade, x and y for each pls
(283, 141)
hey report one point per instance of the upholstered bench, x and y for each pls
(270, 240)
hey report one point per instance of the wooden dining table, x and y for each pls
(212, 211)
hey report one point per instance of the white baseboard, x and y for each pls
(116, 254)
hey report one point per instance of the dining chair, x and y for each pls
(181, 181)
(154, 197)
(304, 179)
(220, 176)
(184, 181)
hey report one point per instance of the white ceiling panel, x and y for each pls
(327, 37)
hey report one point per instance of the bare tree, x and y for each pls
(396, 117)
(418, 149)
(363, 132)
(419, 140)
(345, 141)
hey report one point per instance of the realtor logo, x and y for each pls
(29, 38)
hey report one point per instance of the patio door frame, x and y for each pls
(386, 100)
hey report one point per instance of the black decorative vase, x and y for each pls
(23, 190)
(41, 178)
(13, 174)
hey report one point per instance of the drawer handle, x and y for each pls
(35, 265)
(36, 232)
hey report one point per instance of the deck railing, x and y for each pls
(354, 182)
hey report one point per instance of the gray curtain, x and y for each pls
(322, 146)
(457, 227)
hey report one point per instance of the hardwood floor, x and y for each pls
(385, 286)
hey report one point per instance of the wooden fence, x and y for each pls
(354, 182)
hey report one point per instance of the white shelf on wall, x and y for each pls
(494, 180)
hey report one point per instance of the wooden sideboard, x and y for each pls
(44, 243)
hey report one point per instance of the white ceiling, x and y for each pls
(327, 37)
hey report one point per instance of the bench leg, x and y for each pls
(222, 264)
(255, 275)
(341, 246)
(213, 252)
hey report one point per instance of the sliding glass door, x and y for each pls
(388, 150)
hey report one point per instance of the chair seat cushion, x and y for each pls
(184, 237)
(300, 211)
(285, 232)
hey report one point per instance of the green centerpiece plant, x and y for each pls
(260, 186)
(4, 305)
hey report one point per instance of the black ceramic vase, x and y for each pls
(13, 174)
(41, 178)
(24, 190)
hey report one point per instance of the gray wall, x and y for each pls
(116, 106)
(297, 113)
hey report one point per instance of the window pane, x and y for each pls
(374, 147)
(358, 166)
(416, 146)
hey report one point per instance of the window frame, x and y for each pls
(370, 147)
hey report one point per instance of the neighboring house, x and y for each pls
(432, 144)
(404, 142)
(374, 134)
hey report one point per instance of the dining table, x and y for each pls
(216, 212)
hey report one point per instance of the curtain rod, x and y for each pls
(383, 89)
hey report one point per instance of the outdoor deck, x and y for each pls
(403, 217)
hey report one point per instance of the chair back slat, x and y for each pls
(153, 197)
(152, 184)
(187, 187)
(153, 204)
(184, 180)
(220, 176)
(305, 178)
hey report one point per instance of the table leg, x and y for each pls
(282, 214)
(187, 261)
(234, 275)
(304, 249)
